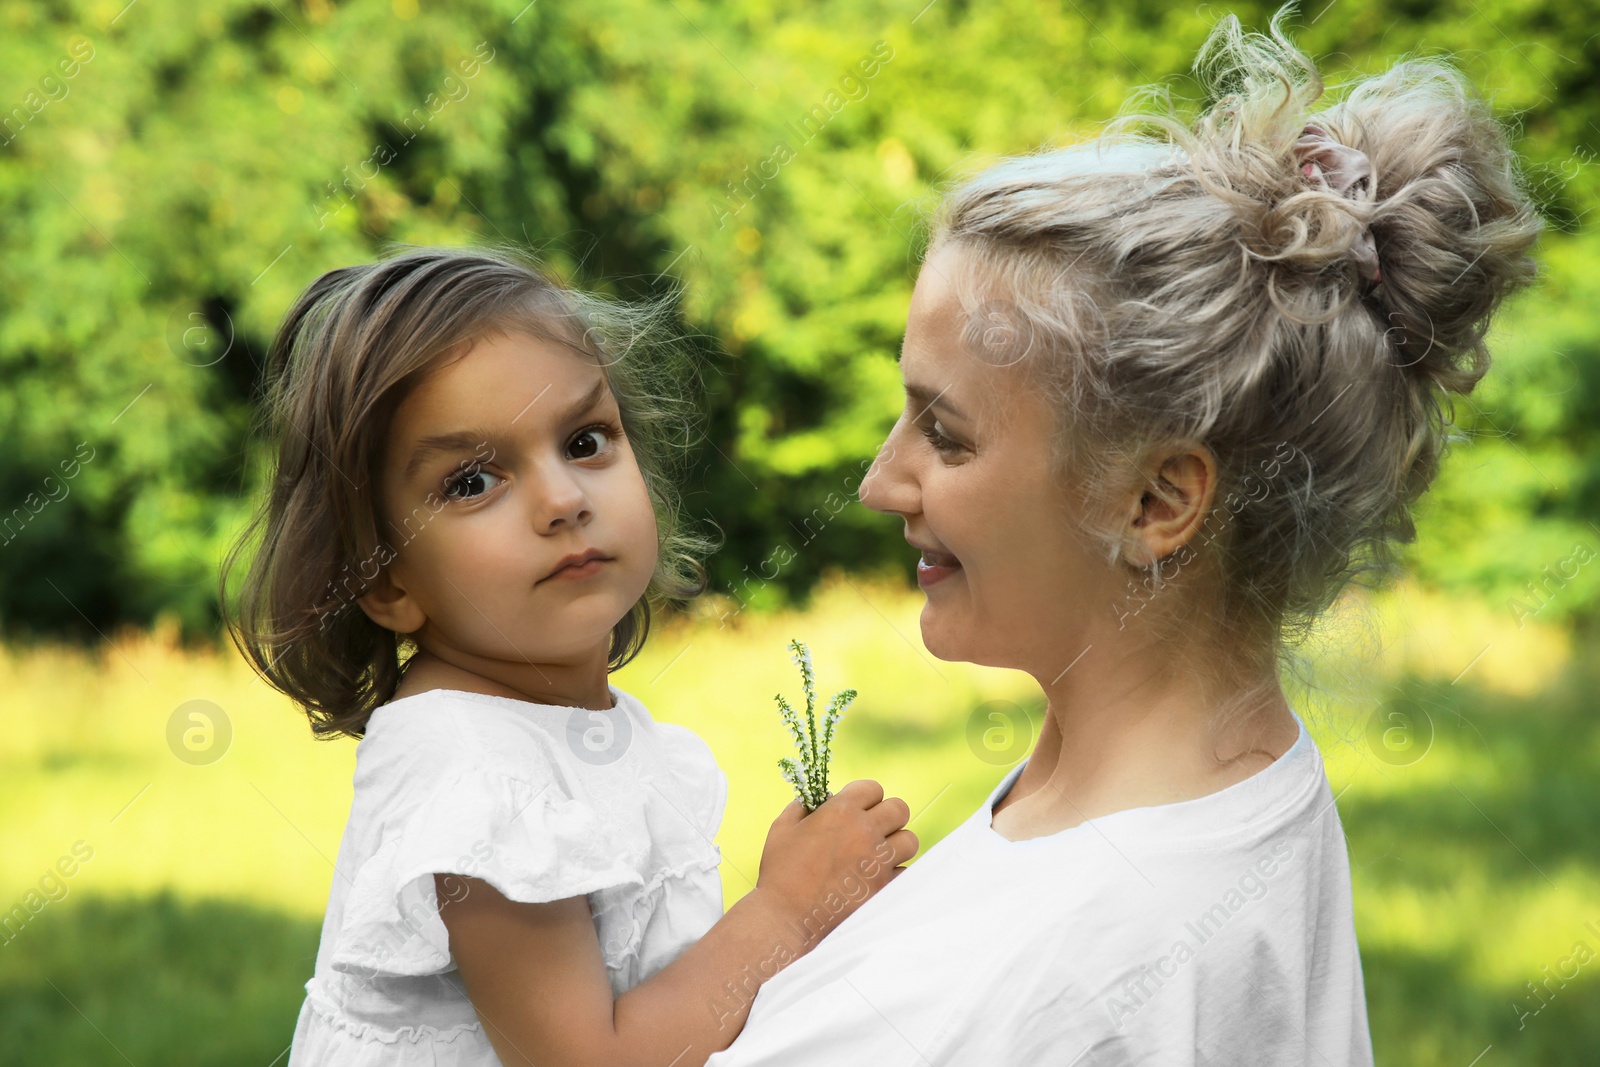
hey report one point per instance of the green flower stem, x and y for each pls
(810, 777)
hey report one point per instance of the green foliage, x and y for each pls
(165, 203)
(1512, 516)
(810, 777)
(154, 980)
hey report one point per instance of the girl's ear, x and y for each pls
(1174, 505)
(390, 606)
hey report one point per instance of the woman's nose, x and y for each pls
(888, 486)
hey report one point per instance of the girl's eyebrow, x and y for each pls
(429, 447)
(472, 440)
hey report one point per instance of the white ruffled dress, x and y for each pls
(542, 802)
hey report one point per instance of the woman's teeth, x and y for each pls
(935, 567)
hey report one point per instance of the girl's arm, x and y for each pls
(538, 982)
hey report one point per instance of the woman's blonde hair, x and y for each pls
(1178, 283)
(349, 351)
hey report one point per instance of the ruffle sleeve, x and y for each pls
(533, 843)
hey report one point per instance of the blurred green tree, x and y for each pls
(161, 205)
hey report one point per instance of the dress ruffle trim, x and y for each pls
(641, 908)
(323, 1036)
(331, 1020)
(532, 844)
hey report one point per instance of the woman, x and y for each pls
(1165, 397)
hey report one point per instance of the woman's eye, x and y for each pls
(936, 437)
(589, 442)
(470, 482)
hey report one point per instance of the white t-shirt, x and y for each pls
(1212, 931)
(542, 802)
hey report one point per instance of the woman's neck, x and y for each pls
(1120, 735)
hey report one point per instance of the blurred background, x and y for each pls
(171, 175)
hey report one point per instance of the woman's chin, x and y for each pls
(960, 638)
(948, 636)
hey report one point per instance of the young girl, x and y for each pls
(467, 527)
(1165, 396)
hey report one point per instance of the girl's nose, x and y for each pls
(889, 486)
(562, 503)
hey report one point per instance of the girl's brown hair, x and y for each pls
(348, 352)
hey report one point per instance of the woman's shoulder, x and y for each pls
(1287, 793)
(1264, 857)
(1276, 833)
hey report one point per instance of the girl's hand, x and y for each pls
(820, 867)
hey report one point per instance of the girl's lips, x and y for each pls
(578, 565)
(579, 570)
(935, 567)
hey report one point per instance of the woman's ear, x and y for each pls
(388, 604)
(1174, 504)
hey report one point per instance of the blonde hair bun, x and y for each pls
(1195, 281)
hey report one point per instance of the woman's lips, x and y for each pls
(935, 567)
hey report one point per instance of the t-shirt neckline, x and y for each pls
(1156, 817)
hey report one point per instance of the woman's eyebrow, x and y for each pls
(921, 394)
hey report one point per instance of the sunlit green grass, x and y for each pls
(185, 938)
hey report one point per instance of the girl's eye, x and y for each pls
(589, 442)
(470, 482)
(936, 437)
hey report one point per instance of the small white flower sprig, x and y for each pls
(810, 776)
